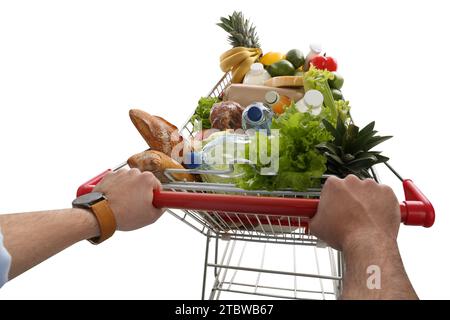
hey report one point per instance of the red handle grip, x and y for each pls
(415, 210)
(88, 186)
(234, 203)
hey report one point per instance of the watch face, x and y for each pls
(88, 200)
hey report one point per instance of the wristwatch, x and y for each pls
(98, 204)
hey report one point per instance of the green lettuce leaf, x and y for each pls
(202, 112)
(300, 164)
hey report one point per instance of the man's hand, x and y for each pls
(351, 210)
(362, 219)
(130, 195)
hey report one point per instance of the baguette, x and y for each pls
(159, 134)
(157, 162)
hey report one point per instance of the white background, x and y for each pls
(70, 70)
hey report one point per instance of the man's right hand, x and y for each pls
(351, 210)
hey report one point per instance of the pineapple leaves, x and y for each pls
(327, 147)
(367, 130)
(333, 157)
(374, 141)
(242, 33)
(329, 128)
(349, 152)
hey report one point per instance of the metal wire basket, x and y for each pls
(273, 221)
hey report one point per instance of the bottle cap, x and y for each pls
(272, 97)
(313, 98)
(254, 113)
(257, 67)
(315, 47)
(192, 160)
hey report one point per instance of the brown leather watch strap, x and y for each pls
(106, 221)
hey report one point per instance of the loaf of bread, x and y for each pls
(246, 94)
(159, 134)
(285, 82)
(157, 162)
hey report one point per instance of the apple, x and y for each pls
(324, 63)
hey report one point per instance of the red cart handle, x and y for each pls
(416, 210)
(88, 186)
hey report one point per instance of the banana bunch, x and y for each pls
(238, 60)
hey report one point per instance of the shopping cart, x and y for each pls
(253, 229)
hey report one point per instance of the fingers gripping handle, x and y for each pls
(88, 186)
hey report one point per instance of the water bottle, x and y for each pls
(311, 102)
(223, 149)
(220, 151)
(257, 116)
(257, 75)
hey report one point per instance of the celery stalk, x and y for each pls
(318, 80)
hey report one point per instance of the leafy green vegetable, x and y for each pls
(343, 109)
(202, 112)
(300, 163)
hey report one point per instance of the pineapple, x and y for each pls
(241, 32)
(349, 152)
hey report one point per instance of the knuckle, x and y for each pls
(134, 171)
(370, 182)
(148, 176)
(121, 171)
(332, 181)
(352, 178)
(386, 189)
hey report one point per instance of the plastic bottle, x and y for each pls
(257, 75)
(314, 50)
(277, 102)
(311, 102)
(223, 150)
(257, 116)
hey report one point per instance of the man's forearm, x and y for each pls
(31, 238)
(370, 260)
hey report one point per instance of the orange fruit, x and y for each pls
(271, 57)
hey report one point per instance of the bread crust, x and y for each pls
(159, 134)
(157, 162)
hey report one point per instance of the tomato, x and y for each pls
(319, 62)
(331, 64)
(324, 63)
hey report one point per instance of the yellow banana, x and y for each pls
(232, 51)
(257, 51)
(240, 72)
(234, 60)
